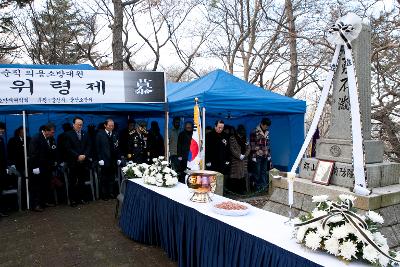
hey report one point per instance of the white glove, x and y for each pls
(101, 162)
(179, 158)
(118, 162)
(226, 162)
(254, 159)
(36, 171)
(241, 157)
(208, 164)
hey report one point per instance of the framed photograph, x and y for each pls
(323, 172)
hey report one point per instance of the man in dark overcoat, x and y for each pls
(41, 163)
(183, 147)
(217, 149)
(78, 148)
(109, 157)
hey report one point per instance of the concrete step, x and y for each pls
(380, 197)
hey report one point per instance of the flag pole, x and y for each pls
(25, 159)
(203, 151)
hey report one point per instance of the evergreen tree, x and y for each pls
(59, 32)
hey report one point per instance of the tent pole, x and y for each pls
(25, 159)
(166, 137)
(203, 163)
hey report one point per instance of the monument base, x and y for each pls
(384, 200)
(342, 150)
(377, 175)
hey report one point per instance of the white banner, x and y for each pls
(21, 86)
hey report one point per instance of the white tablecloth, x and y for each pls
(260, 223)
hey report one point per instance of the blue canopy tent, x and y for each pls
(227, 97)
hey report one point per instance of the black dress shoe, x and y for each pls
(3, 214)
(37, 209)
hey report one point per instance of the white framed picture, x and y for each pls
(323, 172)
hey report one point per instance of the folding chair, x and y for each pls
(16, 191)
(91, 182)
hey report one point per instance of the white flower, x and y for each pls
(348, 250)
(301, 231)
(313, 240)
(370, 253)
(383, 260)
(125, 169)
(159, 183)
(318, 213)
(159, 176)
(343, 197)
(151, 180)
(375, 217)
(323, 231)
(340, 231)
(332, 246)
(379, 239)
(167, 170)
(161, 157)
(321, 198)
(154, 160)
(173, 173)
(164, 162)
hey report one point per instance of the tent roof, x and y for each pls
(220, 91)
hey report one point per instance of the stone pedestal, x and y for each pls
(377, 174)
(342, 150)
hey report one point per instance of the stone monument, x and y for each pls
(382, 177)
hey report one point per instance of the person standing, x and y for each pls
(78, 148)
(61, 142)
(136, 150)
(108, 157)
(41, 163)
(183, 147)
(240, 150)
(217, 149)
(173, 143)
(15, 148)
(155, 141)
(3, 168)
(260, 154)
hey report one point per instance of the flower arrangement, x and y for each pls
(335, 227)
(159, 173)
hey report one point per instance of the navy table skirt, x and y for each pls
(194, 239)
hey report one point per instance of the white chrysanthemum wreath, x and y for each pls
(335, 227)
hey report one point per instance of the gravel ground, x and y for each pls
(87, 235)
